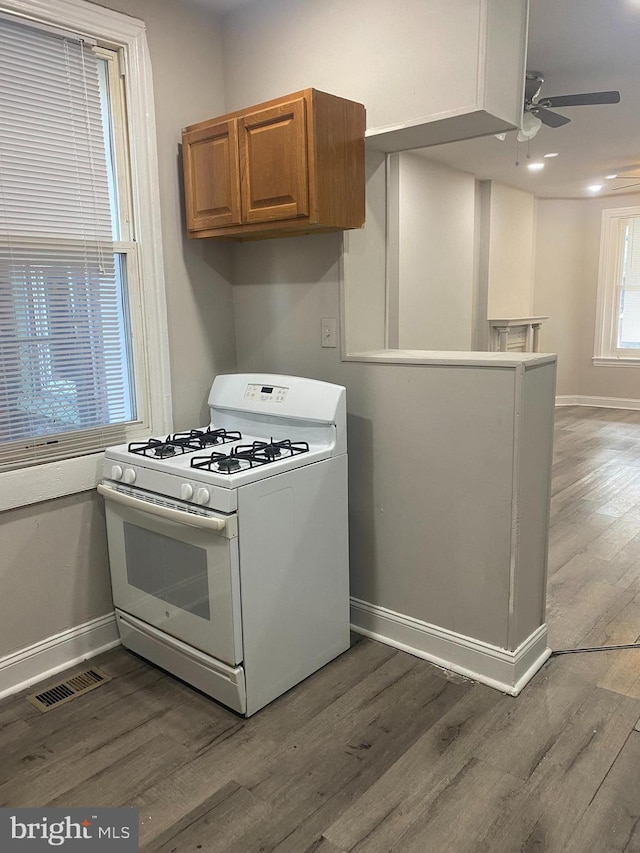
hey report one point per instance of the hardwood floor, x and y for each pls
(380, 751)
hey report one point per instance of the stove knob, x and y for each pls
(202, 496)
(129, 475)
(186, 491)
(116, 472)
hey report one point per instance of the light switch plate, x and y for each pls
(329, 332)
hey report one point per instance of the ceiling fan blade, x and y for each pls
(532, 85)
(583, 100)
(625, 187)
(549, 118)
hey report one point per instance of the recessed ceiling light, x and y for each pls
(610, 177)
(535, 167)
(595, 188)
(553, 154)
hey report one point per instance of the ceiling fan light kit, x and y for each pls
(530, 126)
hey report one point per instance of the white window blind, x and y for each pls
(629, 297)
(65, 371)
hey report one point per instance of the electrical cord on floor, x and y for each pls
(596, 649)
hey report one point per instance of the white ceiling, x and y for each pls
(579, 46)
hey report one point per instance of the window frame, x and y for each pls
(117, 32)
(606, 351)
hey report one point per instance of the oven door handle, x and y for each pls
(202, 521)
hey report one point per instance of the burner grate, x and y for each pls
(183, 442)
(222, 463)
(271, 450)
(200, 438)
(246, 456)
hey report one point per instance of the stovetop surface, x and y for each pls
(226, 458)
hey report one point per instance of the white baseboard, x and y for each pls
(499, 668)
(48, 657)
(597, 402)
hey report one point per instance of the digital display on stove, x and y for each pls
(266, 393)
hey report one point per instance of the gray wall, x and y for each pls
(53, 559)
(430, 449)
(423, 445)
(284, 288)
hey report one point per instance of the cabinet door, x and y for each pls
(273, 162)
(211, 177)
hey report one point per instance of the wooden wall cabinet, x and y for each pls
(294, 165)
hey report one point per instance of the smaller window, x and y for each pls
(617, 336)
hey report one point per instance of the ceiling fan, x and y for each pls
(538, 111)
(628, 174)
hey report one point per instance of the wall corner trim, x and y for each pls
(46, 658)
(504, 670)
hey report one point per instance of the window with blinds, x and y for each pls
(628, 332)
(66, 365)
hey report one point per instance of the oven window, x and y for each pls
(166, 568)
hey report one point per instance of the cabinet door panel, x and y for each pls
(273, 162)
(212, 184)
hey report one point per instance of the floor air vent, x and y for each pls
(65, 691)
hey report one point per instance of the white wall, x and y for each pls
(559, 285)
(512, 218)
(403, 61)
(435, 255)
(566, 283)
(365, 264)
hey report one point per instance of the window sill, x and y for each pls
(615, 361)
(26, 486)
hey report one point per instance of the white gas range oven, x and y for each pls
(228, 544)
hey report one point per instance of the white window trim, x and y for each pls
(114, 29)
(606, 353)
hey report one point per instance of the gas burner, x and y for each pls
(221, 463)
(183, 442)
(228, 465)
(158, 449)
(200, 438)
(271, 451)
(164, 450)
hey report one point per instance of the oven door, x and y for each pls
(176, 568)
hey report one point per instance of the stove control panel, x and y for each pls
(266, 393)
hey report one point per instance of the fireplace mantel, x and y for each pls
(515, 334)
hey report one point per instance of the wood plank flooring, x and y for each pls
(380, 751)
